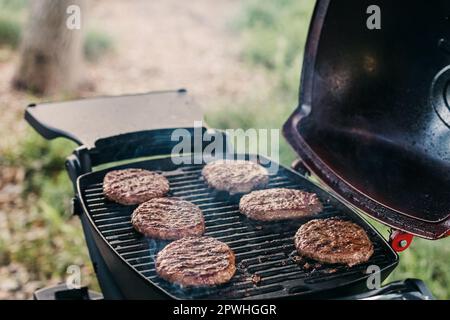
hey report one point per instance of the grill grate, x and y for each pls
(263, 250)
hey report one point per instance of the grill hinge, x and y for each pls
(300, 167)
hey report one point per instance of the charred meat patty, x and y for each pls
(235, 176)
(279, 204)
(196, 261)
(168, 219)
(134, 186)
(334, 241)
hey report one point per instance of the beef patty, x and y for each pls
(279, 204)
(235, 176)
(168, 219)
(134, 186)
(202, 261)
(334, 241)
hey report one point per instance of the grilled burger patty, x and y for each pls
(279, 204)
(202, 261)
(134, 186)
(235, 176)
(168, 219)
(334, 241)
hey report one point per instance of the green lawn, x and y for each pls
(274, 34)
(44, 237)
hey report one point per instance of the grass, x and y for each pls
(43, 162)
(425, 260)
(274, 34)
(10, 30)
(11, 21)
(54, 239)
(13, 5)
(97, 44)
(428, 261)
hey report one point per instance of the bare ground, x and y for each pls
(165, 44)
(171, 44)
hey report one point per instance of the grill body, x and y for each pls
(265, 249)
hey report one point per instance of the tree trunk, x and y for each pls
(51, 52)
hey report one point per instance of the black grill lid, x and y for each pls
(374, 110)
(89, 120)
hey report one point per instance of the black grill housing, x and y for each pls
(123, 259)
(262, 248)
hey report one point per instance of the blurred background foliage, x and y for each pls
(97, 43)
(12, 20)
(41, 238)
(273, 35)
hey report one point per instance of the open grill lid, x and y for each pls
(373, 121)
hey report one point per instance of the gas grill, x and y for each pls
(337, 145)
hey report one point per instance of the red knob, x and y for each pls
(400, 241)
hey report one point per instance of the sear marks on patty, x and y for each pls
(168, 219)
(134, 186)
(279, 204)
(201, 261)
(334, 241)
(235, 176)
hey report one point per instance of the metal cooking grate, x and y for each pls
(264, 251)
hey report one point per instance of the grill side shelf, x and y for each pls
(86, 121)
